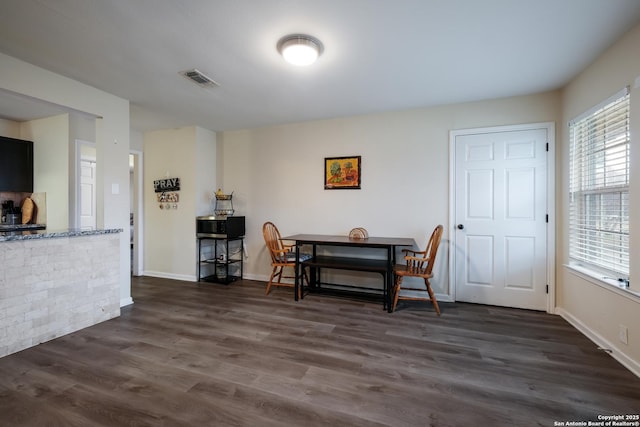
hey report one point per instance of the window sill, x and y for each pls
(606, 283)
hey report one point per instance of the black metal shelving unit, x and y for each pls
(220, 259)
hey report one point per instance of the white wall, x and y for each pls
(112, 139)
(54, 162)
(596, 310)
(276, 173)
(170, 240)
(81, 128)
(50, 138)
(136, 141)
(9, 128)
(205, 160)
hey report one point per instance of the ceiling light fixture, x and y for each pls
(300, 49)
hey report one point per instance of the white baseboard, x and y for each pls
(258, 277)
(600, 341)
(165, 275)
(126, 301)
(444, 298)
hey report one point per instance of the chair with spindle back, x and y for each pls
(418, 264)
(282, 256)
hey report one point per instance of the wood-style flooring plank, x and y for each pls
(201, 354)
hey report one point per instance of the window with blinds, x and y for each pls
(599, 187)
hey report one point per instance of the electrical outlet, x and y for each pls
(623, 334)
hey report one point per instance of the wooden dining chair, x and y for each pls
(417, 264)
(282, 256)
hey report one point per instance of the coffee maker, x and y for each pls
(11, 214)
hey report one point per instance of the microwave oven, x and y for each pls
(220, 227)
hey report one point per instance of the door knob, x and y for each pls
(460, 227)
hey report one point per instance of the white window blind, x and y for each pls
(599, 187)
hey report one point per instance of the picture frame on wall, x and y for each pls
(342, 173)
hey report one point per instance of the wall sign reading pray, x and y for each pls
(168, 184)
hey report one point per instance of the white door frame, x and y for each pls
(138, 225)
(551, 197)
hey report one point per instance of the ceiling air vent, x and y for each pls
(199, 78)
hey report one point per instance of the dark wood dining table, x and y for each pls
(383, 265)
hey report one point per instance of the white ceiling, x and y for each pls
(380, 55)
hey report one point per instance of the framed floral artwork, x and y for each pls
(342, 173)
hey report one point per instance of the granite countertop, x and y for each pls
(20, 227)
(33, 234)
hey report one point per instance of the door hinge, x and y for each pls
(547, 146)
(547, 219)
(547, 288)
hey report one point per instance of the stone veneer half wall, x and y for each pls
(50, 287)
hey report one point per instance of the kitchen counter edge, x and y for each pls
(46, 234)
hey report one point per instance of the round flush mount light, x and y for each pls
(300, 49)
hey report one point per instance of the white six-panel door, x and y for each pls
(500, 218)
(88, 194)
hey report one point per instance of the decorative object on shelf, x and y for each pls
(358, 233)
(167, 192)
(221, 272)
(224, 204)
(28, 209)
(342, 173)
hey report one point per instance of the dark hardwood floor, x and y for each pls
(189, 354)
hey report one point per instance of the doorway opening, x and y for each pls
(135, 213)
(86, 206)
